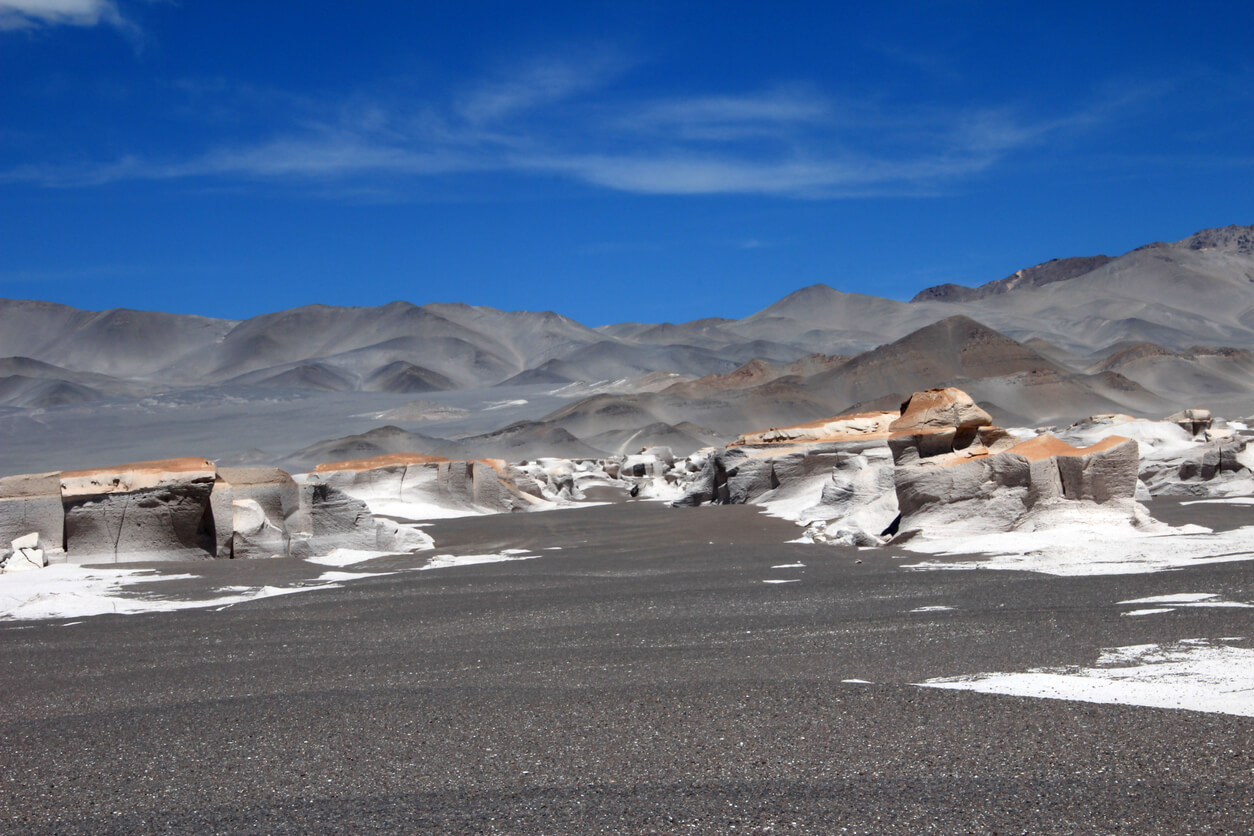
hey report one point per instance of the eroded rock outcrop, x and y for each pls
(835, 474)
(156, 510)
(955, 472)
(1187, 454)
(937, 466)
(184, 509)
(420, 487)
(251, 509)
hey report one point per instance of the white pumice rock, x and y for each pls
(25, 553)
(32, 503)
(253, 534)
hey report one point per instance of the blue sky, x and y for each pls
(611, 161)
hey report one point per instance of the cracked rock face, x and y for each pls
(145, 511)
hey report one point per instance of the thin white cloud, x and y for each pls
(729, 117)
(562, 119)
(27, 14)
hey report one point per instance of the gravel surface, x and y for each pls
(641, 679)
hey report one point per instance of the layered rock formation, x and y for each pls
(183, 509)
(837, 471)
(156, 510)
(937, 466)
(955, 472)
(419, 486)
(1186, 454)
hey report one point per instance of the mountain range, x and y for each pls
(1163, 326)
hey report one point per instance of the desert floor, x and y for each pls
(634, 672)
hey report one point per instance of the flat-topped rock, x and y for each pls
(157, 510)
(135, 476)
(1194, 421)
(848, 427)
(995, 492)
(376, 462)
(937, 422)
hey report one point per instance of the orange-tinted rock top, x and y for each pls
(851, 426)
(386, 460)
(185, 464)
(1046, 446)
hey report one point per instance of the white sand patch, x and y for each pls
(1175, 598)
(857, 681)
(1080, 550)
(513, 552)
(790, 566)
(1150, 611)
(346, 557)
(1190, 599)
(791, 500)
(782, 580)
(937, 608)
(406, 510)
(445, 561)
(1223, 500)
(335, 577)
(1192, 674)
(71, 591)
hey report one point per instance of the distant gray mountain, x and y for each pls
(1063, 338)
(376, 442)
(1054, 270)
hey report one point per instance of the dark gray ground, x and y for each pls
(641, 680)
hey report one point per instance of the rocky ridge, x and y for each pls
(936, 467)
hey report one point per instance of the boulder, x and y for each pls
(939, 422)
(1194, 421)
(25, 553)
(831, 533)
(32, 503)
(157, 510)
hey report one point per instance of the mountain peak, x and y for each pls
(1047, 272)
(1235, 239)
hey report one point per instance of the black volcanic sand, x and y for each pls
(643, 679)
(1221, 516)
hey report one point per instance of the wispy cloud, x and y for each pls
(563, 119)
(28, 14)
